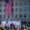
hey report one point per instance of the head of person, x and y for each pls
(12, 26)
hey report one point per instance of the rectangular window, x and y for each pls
(20, 16)
(16, 9)
(16, 4)
(28, 2)
(16, 16)
(29, 15)
(20, 3)
(25, 2)
(28, 9)
(0, 16)
(25, 9)
(3, 16)
(0, 10)
(24, 15)
(20, 9)
(0, 5)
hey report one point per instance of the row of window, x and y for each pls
(25, 9)
(20, 3)
(16, 16)
(20, 16)
(20, 9)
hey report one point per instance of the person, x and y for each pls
(12, 26)
(0, 22)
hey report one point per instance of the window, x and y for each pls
(28, 2)
(4, 10)
(0, 16)
(28, 9)
(16, 16)
(20, 16)
(20, 9)
(16, 9)
(25, 2)
(28, 15)
(0, 10)
(0, 5)
(8, 16)
(4, 16)
(20, 3)
(24, 9)
(29, 23)
(24, 15)
(16, 4)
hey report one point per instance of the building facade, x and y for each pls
(21, 10)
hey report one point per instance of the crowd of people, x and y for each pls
(13, 27)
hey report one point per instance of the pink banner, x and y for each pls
(8, 8)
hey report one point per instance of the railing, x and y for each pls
(15, 19)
